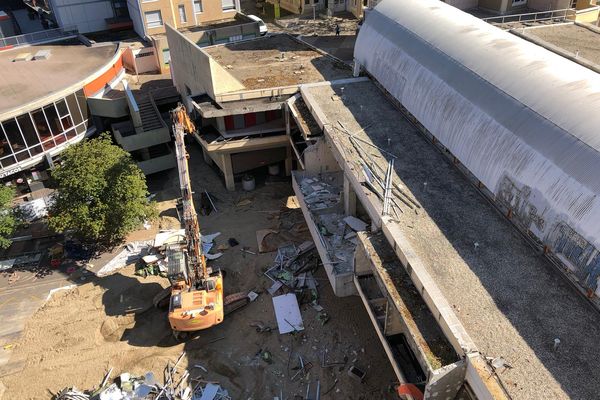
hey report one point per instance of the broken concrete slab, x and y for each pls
(355, 223)
(287, 313)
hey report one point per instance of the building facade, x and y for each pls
(150, 16)
(39, 117)
(91, 15)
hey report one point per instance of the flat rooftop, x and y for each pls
(570, 37)
(511, 301)
(70, 62)
(275, 61)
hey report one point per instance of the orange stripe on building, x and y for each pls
(99, 83)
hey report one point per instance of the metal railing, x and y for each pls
(559, 15)
(41, 36)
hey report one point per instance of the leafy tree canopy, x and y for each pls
(8, 219)
(101, 193)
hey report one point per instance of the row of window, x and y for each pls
(37, 131)
(154, 18)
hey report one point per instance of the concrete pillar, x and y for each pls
(228, 171)
(349, 198)
(220, 124)
(286, 116)
(288, 161)
(356, 69)
(206, 157)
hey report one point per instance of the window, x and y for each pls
(29, 133)
(15, 139)
(228, 5)
(182, 17)
(53, 120)
(4, 146)
(82, 104)
(42, 128)
(197, 6)
(74, 109)
(153, 19)
(63, 113)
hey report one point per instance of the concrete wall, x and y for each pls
(588, 15)
(157, 164)
(226, 82)
(544, 5)
(88, 15)
(190, 67)
(355, 7)
(463, 4)
(111, 108)
(141, 140)
(136, 16)
(319, 159)
(194, 72)
(493, 5)
(298, 6)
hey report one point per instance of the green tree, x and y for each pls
(8, 219)
(101, 193)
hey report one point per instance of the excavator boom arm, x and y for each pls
(181, 125)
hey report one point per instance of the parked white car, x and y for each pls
(262, 27)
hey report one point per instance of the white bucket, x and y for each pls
(248, 183)
(274, 169)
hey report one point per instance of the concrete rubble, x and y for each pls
(323, 197)
(177, 385)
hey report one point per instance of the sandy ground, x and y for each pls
(571, 38)
(78, 335)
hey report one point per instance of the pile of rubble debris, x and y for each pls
(177, 385)
(293, 275)
(150, 256)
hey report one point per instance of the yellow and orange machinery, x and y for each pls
(197, 296)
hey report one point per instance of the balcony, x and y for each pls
(130, 139)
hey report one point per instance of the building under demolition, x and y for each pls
(391, 168)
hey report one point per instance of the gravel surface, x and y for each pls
(572, 38)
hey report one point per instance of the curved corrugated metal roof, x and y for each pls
(524, 120)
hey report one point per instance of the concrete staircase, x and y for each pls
(149, 114)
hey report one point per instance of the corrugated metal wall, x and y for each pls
(523, 120)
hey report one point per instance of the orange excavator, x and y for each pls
(197, 300)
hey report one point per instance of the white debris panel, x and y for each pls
(522, 119)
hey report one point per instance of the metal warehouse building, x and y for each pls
(522, 120)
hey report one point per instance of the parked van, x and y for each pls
(262, 27)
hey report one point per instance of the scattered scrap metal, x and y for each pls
(378, 179)
(293, 268)
(177, 385)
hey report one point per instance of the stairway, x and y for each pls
(149, 115)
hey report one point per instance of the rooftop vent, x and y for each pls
(23, 57)
(42, 55)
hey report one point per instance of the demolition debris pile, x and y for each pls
(177, 385)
